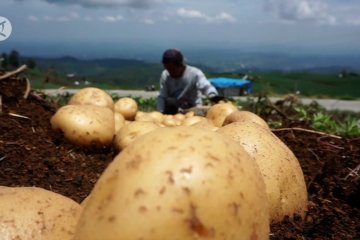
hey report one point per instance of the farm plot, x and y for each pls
(32, 154)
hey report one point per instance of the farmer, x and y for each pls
(181, 86)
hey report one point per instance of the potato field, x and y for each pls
(33, 154)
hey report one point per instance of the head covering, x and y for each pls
(174, 56)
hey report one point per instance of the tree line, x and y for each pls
(12, 60)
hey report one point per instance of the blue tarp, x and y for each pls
(222, 82)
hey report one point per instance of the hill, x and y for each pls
(112, 73)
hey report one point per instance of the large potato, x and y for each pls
(127, 106)
(192, 120)
(119, 121)
(244, 116)
(178, 183)
(129, 132)
(218, 112)
(280, 168)
(85, 125)
(29, 213)
(92, 96)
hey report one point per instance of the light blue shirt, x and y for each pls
(189, 88)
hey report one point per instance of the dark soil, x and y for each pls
(32, 154)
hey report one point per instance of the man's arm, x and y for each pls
(205, 86)
(163, 94)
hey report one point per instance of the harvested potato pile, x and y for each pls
(154, 138)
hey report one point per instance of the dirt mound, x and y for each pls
(31, 154)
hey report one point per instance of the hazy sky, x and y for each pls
(297, 24)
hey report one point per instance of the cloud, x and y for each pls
(194, 14)
(57, 19)
(33, 18)
(149, 21)
(355, 21)
(223, 16)
(300, 10)
(108, 3)
(189, 13)
(112, 19)
(48, 18)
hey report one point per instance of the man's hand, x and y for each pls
(216, 98)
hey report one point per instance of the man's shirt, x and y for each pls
(186, 90)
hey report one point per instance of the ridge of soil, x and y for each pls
(32, 154)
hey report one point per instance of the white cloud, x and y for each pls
(109, 3)
(55, 18)
(112, 19)
(194, 14)
(88, 18)
(149, 21)
(49, 18)
(189, 13)
(74, 15)
(63, 19)
(223, 16)
(301, 10)
(33, 18)
(353, 20)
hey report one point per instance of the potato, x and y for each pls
(128, 133)
(85, 125)
(29, 213)
(119, 121)
(280, 168)
(192, 120)
(157, 117)
(171, 122)
(218, 112)
(190, 114)
(178, 183)
(92, 96)
(127, 106)
(139, 114)
(179, 116)
(205, 124)
(244, 116)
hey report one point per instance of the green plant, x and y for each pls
(322, 121)
(146, 104)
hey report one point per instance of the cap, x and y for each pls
(174, 56)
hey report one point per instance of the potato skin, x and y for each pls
(119, 121)
(218, 112)
(244, 116)
(85, 125)
(92, 96)
(127, 106)
(128, 133)
(178, 183)
(29, 213)
(282, 173)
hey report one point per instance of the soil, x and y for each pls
(32, 154)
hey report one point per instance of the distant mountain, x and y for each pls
(265, 61)
(125, 73)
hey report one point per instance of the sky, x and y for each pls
(115, 27)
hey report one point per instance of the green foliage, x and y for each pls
(146, 104)
(322, 121)
(309, 84)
